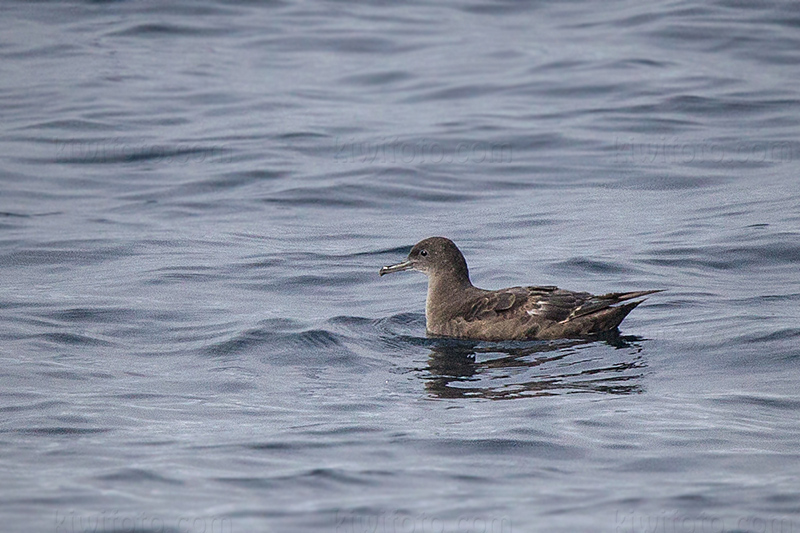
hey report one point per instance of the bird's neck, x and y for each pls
(445, 292)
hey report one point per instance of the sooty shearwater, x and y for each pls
(456, 308)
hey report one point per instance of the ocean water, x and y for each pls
(196, 197)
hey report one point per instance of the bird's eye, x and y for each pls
(423, 253)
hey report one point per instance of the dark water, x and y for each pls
(196, 197)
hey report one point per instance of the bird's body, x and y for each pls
(456, 308)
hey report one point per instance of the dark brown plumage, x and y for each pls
(456, 308)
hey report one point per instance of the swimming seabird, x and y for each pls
(456, 308)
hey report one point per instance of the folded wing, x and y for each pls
(544, 302)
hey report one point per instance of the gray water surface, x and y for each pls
(196, 197)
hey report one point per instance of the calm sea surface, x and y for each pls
(195, 199)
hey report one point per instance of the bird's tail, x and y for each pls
(600, 314)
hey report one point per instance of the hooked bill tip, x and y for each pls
(405, 265)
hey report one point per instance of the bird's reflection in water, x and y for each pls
(459, 369)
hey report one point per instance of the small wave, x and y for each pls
(504, 447)
(727, 257)
(96, 315)
(778, 335)
(286, 347)
(138, 475)
(381, 79)
(594, 266)
(314, 477)
(150, 29)
(65, 253)
(80, 153)
(765, 401)
(73, 339)
(59, 431)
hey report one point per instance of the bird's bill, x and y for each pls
(405, 265)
